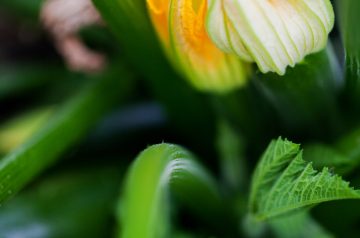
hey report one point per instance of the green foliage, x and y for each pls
(167, 192)
(65, 128)
(283, 182)
(59, 206)
(144, 208)
(16, 131)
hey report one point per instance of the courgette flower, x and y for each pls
(180, 25)
(273, 33)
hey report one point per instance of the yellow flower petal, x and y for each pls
(159, 12)
(184, 35)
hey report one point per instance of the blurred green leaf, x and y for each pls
(144, 210)
(20, 128)
(65, 128)
(283, 182)
(71, 204)
(18, 78)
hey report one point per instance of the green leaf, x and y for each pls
(20, 128)
(68, 204)
(283, 182)
(144, 209)
(66, 127)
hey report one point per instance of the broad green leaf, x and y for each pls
(283, 182)
(145, 207)
(70, 204)
(298, 225)
(65, 128)
(272, 162)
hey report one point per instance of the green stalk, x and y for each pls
(246, 111)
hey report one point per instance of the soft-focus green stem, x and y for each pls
(68, 125)
(249, 114)
(232, 162)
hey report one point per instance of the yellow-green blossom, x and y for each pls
(273, 33)
(180, 25)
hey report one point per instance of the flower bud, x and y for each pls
(180, 25)
(272, 33)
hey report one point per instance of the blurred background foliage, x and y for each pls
(67, 139)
